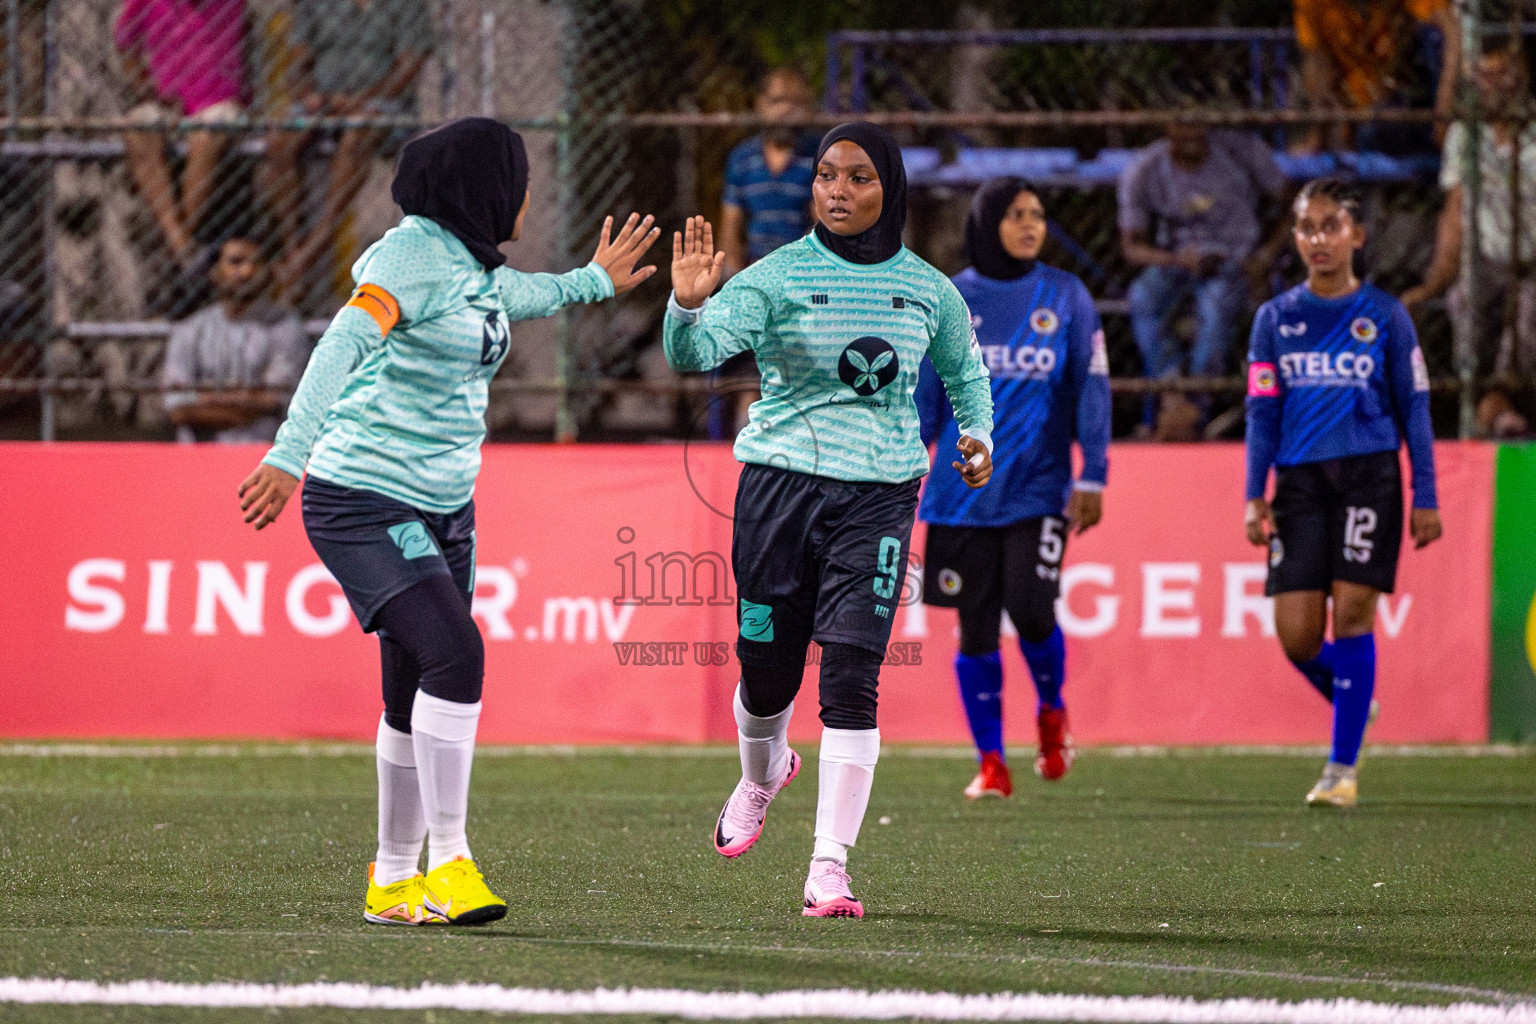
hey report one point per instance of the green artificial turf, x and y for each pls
(1195, 874)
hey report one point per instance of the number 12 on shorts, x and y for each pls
(889, 567)
(1359, 524)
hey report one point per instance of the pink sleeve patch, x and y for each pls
(1263, 382)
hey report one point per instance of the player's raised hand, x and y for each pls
(976, 470)
(1424, 525)
(619, 256)
(696, 266)
(264, 493)
(1259, 521)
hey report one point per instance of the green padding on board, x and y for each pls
(1513, 697)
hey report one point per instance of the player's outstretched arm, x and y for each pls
(619, 256)
(264, 493)
(696, 265)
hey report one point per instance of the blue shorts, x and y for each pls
(377, 547)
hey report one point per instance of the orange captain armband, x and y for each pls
(377, 303)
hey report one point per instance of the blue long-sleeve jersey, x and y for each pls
(1330, 378)
(1044, 348)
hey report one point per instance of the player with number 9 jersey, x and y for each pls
(1001, 548)
(839, 322)
(1336, 384)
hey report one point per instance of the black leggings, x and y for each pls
(429, 641)
(981, 625)
(850, 678)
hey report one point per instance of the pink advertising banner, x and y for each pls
(137, 604)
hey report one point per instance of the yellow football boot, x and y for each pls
(1337, 788)
(401, 903)
(458, 892)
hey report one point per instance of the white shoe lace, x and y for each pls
(746, 808)
(829, 880)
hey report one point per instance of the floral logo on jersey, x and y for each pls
(1043, 321)
(1363, 329)
(412, 540)
(494, 340)
(756, 621)
(950, 582)
(867, 365)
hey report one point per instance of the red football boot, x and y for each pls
(991, 779)
(1055, 757)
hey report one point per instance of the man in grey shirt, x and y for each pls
(242, 341)
(354, 58)
(1189, 214)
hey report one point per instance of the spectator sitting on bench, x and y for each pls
(183, 59)
(1360, 54)
(250, 347)
(1199, 191)
(356, 58)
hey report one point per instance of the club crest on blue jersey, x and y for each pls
(1363, 329)
(867, 365)
(1044, 321)
(494, 339)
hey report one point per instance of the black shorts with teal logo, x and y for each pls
(820, 559)
(377, 547)
(1337, 520)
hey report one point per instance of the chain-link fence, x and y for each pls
(139, 136)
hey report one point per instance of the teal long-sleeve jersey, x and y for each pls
(394, 397)
(838, 345)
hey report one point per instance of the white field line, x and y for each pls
(723, 949)
(311, 749)
(836, 1003)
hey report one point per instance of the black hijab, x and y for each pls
(883, 239)
(983, 247)
(469, 176)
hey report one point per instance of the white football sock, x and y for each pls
(764, 744)
(444, 736)
(847, 771)
(402, 822)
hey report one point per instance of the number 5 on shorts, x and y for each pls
(1051, 546)
(889, 565)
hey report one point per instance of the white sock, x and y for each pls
(402, 822)
(847, 771)
(444, 736)
(764, 743)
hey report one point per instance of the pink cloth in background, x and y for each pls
(193, 48)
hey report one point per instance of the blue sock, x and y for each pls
(981, 690)
(1319, 671)
(1048, 664)
(1354, 680)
